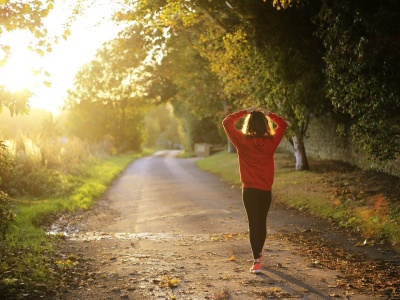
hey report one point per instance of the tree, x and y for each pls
(198, 98)
(15, 15)
(259, 55)
(271, 58)
(108, 99)
(181, 77)
(362, 57)
(162, 127)
(50, 127)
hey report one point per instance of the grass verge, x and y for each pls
(364, 201)
(29, 267)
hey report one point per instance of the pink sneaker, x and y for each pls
(256, 268)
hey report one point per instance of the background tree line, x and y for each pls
(302, 59)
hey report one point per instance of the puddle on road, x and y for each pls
(75, 232)
(97, 236)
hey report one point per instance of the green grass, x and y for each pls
(184, 154)
(26, 256)
(223, 164)
(88, 186)
(330, 190)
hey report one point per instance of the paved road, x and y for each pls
(162, 193)
(167, 230)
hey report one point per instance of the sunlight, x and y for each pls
(25, 69)
(16, 75)
(22, 71)
(18, 72)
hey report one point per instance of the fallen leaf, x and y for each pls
(334, 295)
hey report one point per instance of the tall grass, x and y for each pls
(40, 163)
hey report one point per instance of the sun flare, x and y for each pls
(22, 68)
(18, 73)
(49, 76)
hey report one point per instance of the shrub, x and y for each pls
(6, 164)
(6, 214)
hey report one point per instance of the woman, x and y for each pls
(256, 145)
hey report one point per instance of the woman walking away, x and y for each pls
(256, 145)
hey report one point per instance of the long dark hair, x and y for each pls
(257, 124)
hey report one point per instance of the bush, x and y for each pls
(6, 215)
(37, 165)
(6, 165)
(41, 182)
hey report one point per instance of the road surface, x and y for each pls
(167, 230)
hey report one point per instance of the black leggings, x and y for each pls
(257, 203)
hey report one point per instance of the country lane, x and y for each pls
(167, 230)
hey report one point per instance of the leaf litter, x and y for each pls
(359, 273)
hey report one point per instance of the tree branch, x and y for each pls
(214, 20)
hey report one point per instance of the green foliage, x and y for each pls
(197, 89)
(198, 100)
(206, 131)
(36, 165)
(40, 182)
(16, 16)
(271, 58)
(362, 59)
(108, 102)
(161, 128)
(183, 76)
(6, 216)
(16, 102)
(6, 163)
(50, 127)
(257, 56)
(27, 269)
(262, 55)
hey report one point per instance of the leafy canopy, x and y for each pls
(362, 59)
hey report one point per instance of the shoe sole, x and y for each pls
(256, 271)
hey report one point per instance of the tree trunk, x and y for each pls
(231, 147)
(300, 154)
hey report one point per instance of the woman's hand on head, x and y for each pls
(263, 110)
(250, 109)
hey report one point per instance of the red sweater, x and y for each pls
(256, 155)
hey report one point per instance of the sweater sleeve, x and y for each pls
(229, 125)
(280, 129)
